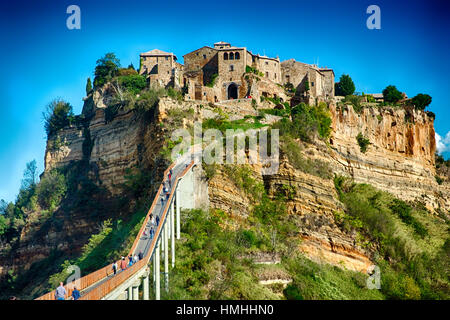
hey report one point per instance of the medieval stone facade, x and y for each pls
(225, 72)
(161, 67)
(308, 80)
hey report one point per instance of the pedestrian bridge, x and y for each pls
(104, 285)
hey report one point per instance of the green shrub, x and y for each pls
(315, 167)
(148, 99)
(292, 292)
(439, 180)
(391, 94)
(51, 189)
(134, 83)
(175, 94)
(249, 69)
(355, 101)
(107, 68)
(307, 121)
(403, 210)
(363, 142)
(345, 86)
(421, 101)
(127, 71)
(212, 81)
(57, 115)
(88, 86)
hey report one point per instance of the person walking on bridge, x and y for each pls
(152, 232)
(123, 264)
(60, 292)
(114, 267)
(140, 255)
(170, 178)
(130, 260)
(76, 294)
(157, 220)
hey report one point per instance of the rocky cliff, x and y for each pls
(399, 159)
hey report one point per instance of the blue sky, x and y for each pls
(41, 59)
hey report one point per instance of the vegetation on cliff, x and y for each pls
(411, 246)
(215, 260)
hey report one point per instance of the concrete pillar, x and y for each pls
(157, 272)
(172, 235)
(145, 287)
(130, 293)
(154, 267)
(136, 293)
(166, 255)
(178, 212)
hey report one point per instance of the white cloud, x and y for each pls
(442, 144)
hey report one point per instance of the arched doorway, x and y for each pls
(232, 91)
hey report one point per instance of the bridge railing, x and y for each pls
(108, 286)
(96, 276)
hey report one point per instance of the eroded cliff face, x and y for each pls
(400, 160)
(104, 150)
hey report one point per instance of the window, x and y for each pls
(312, 84)
(204, 56)
(267, 74)
(225, 56)
(231, 67)
(145, 58)
(275, 75)
(167, 58)
(267, 63)
(237, 56)
(168, 72)
(231, 56)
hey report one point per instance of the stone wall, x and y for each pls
(160, 69)
(269, 67)
(321, 84)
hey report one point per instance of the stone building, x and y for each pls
(310, 82)
(217, 73)
(225, 72)
(161, 67)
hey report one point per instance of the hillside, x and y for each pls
(354, 188)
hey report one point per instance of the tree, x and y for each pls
(345, 86)
(29, 175)
(57, 115)
(51, 189)
(421, 100)
(88, 86)
(131, 66)
(391, 94)
(107, 67)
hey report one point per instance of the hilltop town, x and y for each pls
(358, 183)
(226, 72)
